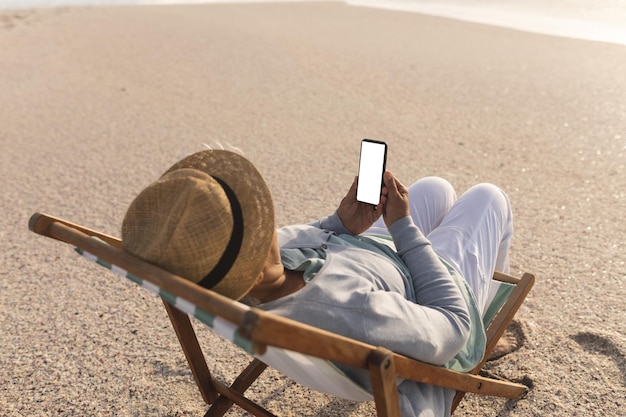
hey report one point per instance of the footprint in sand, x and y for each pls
(596, 344)
(9, 20)
(512, 339)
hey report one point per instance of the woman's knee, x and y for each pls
(488, 193)
(430, 199)
(438, 188)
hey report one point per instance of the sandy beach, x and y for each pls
(97, 102)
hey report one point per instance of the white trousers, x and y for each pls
(472, 233)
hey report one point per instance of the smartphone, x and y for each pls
(372, 163)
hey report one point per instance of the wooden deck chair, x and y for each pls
(304, 353)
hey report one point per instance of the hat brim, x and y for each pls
(257, 207)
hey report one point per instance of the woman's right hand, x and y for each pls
(397, 202)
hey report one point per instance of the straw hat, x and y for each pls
(209, 219)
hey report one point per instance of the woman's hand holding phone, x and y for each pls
(374, 192)
(356, 216)
(396, 199)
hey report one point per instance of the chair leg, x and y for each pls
(241, 384)
(221, 397)
(383, 376)
(195, 358)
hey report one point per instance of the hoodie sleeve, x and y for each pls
(331, 223)
(437, 325)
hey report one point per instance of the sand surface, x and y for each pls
(97, 102)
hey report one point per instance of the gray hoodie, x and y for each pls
(406, 300)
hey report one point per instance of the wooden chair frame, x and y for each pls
(265, 329)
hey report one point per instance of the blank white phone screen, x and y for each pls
(371, 166)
